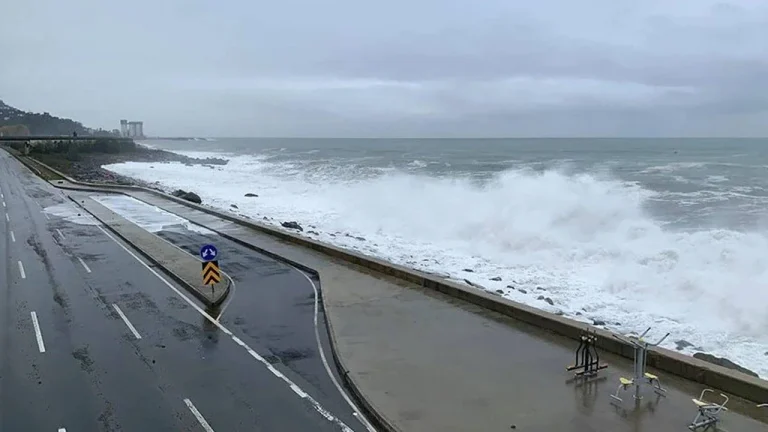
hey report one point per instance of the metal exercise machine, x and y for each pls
(640, 376)
(708, 413)
(587, 360)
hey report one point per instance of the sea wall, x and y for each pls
(726, 380)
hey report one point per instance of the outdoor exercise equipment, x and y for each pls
(708, 413)
(640, 375)
(587, 359)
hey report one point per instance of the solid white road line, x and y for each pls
(46, 215)
(355, 409)
(13, 237)
(38, 335)
(4, 204)
(60, 234)
(85, 266)
(21, 270)
(125, 320)
(198, 416)
(230, 296)
(316, 405)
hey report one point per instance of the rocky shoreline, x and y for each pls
(88, 167)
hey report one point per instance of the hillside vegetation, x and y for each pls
(28, 123)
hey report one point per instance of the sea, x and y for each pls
(669, 234)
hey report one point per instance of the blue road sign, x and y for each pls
(208, 252)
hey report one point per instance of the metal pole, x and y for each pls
(639, 360)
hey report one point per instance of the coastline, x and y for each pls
(91, 166)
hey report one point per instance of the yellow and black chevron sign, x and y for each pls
(211, 273)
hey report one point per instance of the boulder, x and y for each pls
(292, 225)
(598, 322)
(546, 299)
(496, 279)
(724, 362)
(469, 270)
(234, 206)
(192, 197)
(251, 195)
(682, 344)
(179, 193)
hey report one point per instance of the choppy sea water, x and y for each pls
(636, 233)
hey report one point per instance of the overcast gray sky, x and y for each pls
(393, 68)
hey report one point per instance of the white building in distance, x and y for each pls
(131, 129)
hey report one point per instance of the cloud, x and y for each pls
(551, 67)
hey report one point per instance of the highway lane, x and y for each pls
(72, 384)
(272, 308)
(95, 373)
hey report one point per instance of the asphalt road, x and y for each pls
(95, 339)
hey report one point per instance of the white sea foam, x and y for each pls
(146, 216)
(70, 213)
(585, 239)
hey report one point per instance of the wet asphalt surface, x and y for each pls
(95, 375)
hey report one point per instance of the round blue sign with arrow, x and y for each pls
(208, 252)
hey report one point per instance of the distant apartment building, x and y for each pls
(131, 129)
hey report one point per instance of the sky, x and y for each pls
(402, 68)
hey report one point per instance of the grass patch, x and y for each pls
(32, 164)
(45, 172)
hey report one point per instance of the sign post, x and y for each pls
(210, 266)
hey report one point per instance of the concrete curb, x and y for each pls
(727, 380)
(178, 279)
(374, 415)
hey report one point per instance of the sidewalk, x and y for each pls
(428, 362)
(185, 269)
